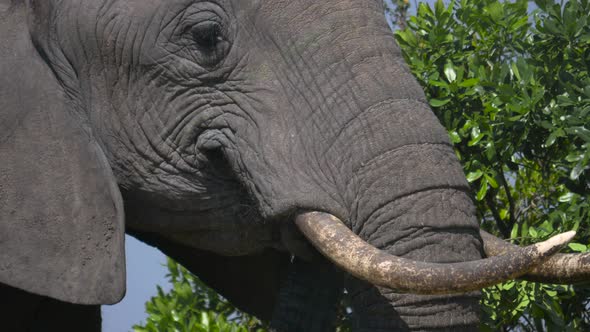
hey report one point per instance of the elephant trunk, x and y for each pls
(407, 197)
(432, 224)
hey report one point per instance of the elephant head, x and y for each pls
(233, 134)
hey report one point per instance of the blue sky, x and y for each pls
(144, 272)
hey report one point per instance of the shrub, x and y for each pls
(513, 91)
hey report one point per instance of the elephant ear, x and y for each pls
(61, 214)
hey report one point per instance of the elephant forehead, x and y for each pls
(137, 9)
(4, 5)
(300, 13)
(315, 31)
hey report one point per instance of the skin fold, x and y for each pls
(217, 122)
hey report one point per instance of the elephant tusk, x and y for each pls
(347, 250)
(558, 269)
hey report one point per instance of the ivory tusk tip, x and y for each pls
(557, 241)
(566, 237)
(571, 234)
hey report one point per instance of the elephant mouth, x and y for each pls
(505, 262)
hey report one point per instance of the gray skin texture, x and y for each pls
(202, 127)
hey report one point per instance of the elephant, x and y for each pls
(280, 150)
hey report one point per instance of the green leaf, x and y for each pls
(472, 176)
(504, 214)
(469, 83)
(577, 171)
(483, 189)
(533, 233)
(439, 102)
(439, 83)
(491, 151)
(407, 37)
(450, 73)
(566, 197)
(553, 137)
(475, 131)
(580, 131)
(491, 181)
(508, 285)
(577, 247)
(495, 10)
(475, 139)
(439, 8)
(455, 138)
(575, 156)
(205, 319)
(514, 231)
(515, 71)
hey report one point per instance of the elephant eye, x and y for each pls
(207, 35)
(210, 42)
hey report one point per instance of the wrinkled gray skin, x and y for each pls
(205, 126)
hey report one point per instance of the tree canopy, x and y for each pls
(510, 83)
(512, 88)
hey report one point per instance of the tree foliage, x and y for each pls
(513, 91)
(511, 85)
(191, 306)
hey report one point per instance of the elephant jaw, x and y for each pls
(228, 243)
(344, 248)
